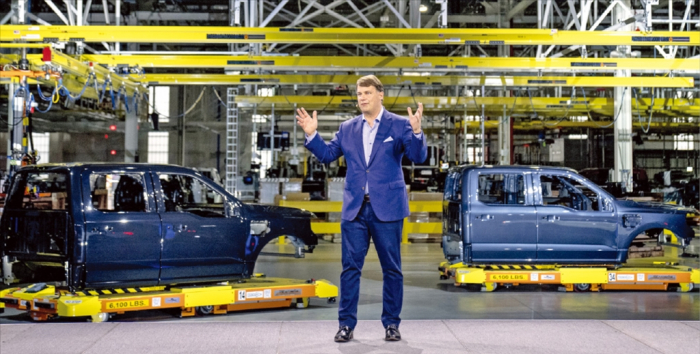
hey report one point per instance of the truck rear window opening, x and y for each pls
(39, 191)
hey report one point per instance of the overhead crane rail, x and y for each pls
(432, 64)
(493, 105)
(435, 64)
(444, 36)
(420, 81)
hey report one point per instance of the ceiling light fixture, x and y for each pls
(422, 8)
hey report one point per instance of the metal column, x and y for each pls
(131, 134)
(231, 140)
(504, 126)
(504, 139)
(623, 110)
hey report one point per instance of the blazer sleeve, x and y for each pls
(326, 152)
(416, 148)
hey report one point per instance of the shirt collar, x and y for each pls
(379, 117)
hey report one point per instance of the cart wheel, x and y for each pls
(332, 300)
(302, 302)
(686, 287)
(489, 287)
(99, 318)
(582, 287)
(205, 310)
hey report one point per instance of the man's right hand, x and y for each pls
(308, 123)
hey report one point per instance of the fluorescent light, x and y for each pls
(578, 136)
(423, 8)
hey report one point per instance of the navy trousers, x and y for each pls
(387, 241)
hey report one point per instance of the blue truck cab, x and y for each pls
(530, 214)
(115, 225)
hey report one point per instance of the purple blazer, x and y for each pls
(383, 174)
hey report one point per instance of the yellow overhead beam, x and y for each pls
(451, 64)
(537, 124)
(24, 45)
(449, 36)
(418, 81)
(548, 106)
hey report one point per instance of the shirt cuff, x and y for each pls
(419, 135)
(309, 138)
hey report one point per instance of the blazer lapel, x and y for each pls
(359, 146)
(382, 133)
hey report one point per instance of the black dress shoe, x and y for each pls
(344, 334)
(392, 333)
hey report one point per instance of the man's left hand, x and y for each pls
(415, 119)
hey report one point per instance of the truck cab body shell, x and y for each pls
(525, 222)
(139, 231)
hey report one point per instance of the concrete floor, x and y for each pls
(437, 318)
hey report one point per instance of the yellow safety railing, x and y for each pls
(323, 227)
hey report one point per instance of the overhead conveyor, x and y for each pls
(420, 81)
(44, 302)
(75, 72)
(440, 36)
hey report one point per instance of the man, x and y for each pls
(375, 200)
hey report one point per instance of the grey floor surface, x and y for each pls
(440, 336)
(437, 318)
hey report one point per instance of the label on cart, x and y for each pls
(662, 277)
(534, 276)
(156, 302)
(640, 277)
(548, 277)
(254, 295)
(625, 277)
(267, 293)
(127, 304)
(241, 295)
(287, 292)
(502, 277)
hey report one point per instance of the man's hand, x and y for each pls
(306, 122)
(415, 119)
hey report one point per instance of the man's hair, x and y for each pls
(370, 80)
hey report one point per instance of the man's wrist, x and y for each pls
(418, 132)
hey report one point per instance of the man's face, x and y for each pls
(369, 99)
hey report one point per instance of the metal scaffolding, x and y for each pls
(231, 140)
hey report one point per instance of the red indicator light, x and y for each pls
(113, 127)
(129, 233)
(46, 54)
(113, 152)
(106, 136)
